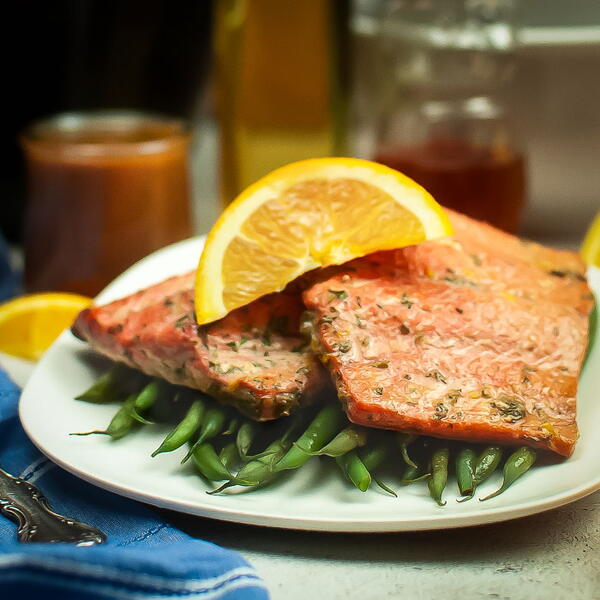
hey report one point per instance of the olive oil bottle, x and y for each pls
(280, 85)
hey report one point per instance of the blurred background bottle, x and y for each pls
(444, 120)
(281, 85)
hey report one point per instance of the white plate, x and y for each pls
(314, 497)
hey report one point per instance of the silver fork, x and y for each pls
(25, 504)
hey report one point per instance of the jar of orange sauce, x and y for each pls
(105, 189)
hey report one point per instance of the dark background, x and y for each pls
(88, 54)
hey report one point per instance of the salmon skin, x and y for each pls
(479, 337)
(254, 358)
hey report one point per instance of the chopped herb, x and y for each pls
(567, 273)
(359, 301)
(404, 330)
(266, 338)
(168, 302)
(485, 393)
(339, 294)
(381, 364)
(476, 260)
(511, 409)
(460, 311)
(405, 301)
(258, 365)
(344, 347)
(265, 353)
(555, 331)
(440, 411)
(459, 280)
(183, 321)
(453, 396)
(244, 339)
(359, 322)
(327, 320)
(364, 341)
(379, 306)
(437, 376)
(407, 376)
(233, 346)
(378, 391)
(303, 370)
(232, 370)
(203, 335)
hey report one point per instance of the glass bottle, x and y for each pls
(444, 121)
(280, 82)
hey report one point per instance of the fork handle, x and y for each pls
(25, 504)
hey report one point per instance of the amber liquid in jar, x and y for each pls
(485, 183)
(104, 191)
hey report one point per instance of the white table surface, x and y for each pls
(550, 556)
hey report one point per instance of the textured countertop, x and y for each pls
(550, 556)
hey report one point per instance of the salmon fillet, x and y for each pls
(254, 358)
(478, 337)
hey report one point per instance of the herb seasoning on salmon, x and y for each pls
(479, 337)
(253, 358)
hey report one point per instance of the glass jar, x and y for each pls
(104, 190)
(445, 122)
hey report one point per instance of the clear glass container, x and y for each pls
(444, 120)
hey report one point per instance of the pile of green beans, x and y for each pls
(226, 447)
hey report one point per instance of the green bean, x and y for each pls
(320, 431)
(146, 399)
(259, 471)
(107, 388)
(372, 457)
(465, 470)
(121, 424)
(245, 436)
(517, 464)
(348, 439)
(487, 462)
(184, 430)
(232, 426)
(229, 455)
(212, 424)
(415, 472)
(208, 462)
(439, 475)
(411, 475)
(405, 440)
(354, 469)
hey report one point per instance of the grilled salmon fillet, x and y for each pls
(477, 337)
(254, 358)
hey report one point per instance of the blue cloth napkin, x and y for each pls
(144, 557)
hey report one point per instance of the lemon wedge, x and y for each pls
(309, 214)
(29, 324)
(590, 250)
